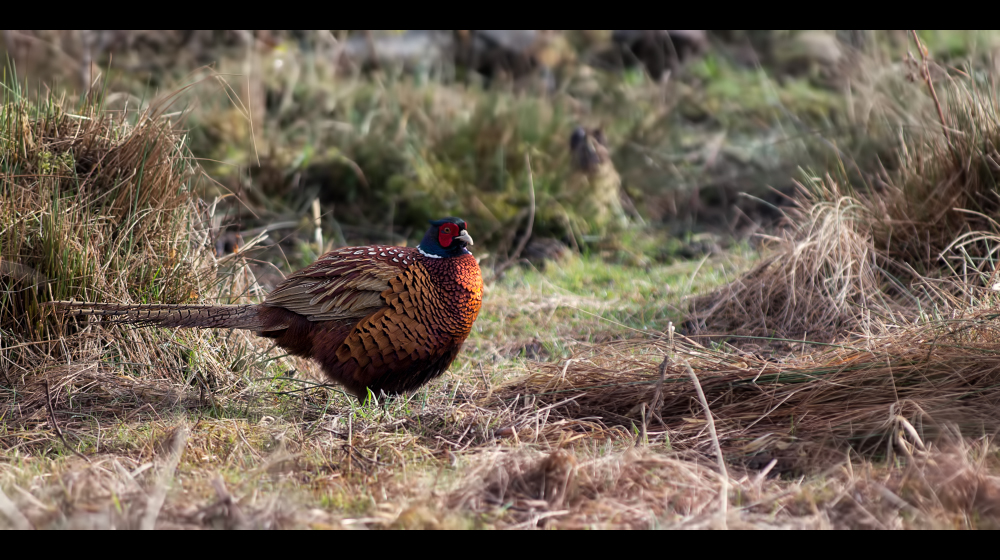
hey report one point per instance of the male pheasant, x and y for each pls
(383, 318)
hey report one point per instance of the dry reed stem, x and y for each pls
(166, 473)
(926, 75)
(720, 460)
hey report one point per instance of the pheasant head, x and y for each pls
(589, 150)
(447, 237)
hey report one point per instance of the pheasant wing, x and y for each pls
(343, 284)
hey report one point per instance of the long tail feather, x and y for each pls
(203, 316)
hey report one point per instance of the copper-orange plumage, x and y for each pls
(383, 318)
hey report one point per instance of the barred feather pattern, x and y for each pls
(184, 315)
(383, 318)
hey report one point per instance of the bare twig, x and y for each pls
(55, 425)
(723, 472)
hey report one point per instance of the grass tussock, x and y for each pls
(920, 239)
(946, 188)
(884, 396)
(817, 279)
(96, 205)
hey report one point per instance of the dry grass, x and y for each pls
(376, 471)
(818, 279)
(945, 187)
(872, 398)
(645, 488)
(98, 205)
(916, 241)
(150, 428)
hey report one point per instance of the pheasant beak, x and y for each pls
(464, 236)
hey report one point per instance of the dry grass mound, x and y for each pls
(818, 279)
(918, 238)
(890, 393)
(96, 205)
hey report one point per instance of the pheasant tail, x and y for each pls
(204, 316)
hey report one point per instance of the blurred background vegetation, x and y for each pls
(388, 129)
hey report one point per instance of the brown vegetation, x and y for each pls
(869, 399)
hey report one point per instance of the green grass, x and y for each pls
(587, 299)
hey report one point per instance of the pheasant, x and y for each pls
(379, 318)
(594, 187)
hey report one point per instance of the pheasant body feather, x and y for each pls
(376, 317)
(425, 311)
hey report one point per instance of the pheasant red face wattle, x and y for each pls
(446, 233)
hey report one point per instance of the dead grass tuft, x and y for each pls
(819, 278)
(919, 238)
(97, 205)
(945, 189)
(871, 398)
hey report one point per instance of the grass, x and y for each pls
(913, 242)
(865, 402)
(388, 152)
(587, 299)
